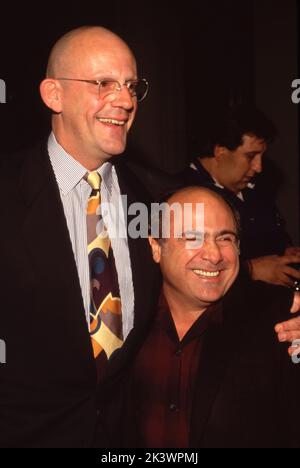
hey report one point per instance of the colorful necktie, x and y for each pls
(105, 312)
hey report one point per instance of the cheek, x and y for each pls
(244, 166)
(77, 113)
(238, 166)
(131, 119)
(231, 258)
(233, 170)
(94, 108)
(173, 262)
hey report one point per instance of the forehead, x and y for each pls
(218, 216)
(112, 64)
(209, 214)
(95, 55)
(251, 143)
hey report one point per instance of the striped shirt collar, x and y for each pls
(69, 172)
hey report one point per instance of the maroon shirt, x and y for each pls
(164, 375)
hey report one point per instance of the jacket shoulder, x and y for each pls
(152, 182)
(263, 302)
(273, 302)
(14, 162)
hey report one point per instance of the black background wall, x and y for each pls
(196, 55)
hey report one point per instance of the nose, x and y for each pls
(123, 98)
(211, 252)
(257, 164)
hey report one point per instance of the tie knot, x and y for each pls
(94, 180)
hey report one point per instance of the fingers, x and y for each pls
(284, 280)
(285, 259)
(291, 272)
(288, 331)
(292, 251)
(289, 336)
(296, 304)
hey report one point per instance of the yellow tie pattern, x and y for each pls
(105, 312)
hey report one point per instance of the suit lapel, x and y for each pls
(220, 348)
(46, 236)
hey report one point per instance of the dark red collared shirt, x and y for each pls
(164, 375)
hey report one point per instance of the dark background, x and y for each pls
(197, 56)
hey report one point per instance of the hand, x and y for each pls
(292, 250)
(290, 331)
(275, 270)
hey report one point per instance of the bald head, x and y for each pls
(71, 49)
(196, 194)
(184, 211)
(192, 194)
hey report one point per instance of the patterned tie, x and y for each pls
(105, 311)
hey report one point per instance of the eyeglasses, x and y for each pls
(136, 88)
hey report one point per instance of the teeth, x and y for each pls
(112, 121)
(207, 274)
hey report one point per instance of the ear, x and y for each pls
(156, 249)
(51, 93)
(220, 152)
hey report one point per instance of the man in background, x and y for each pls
(230, 162)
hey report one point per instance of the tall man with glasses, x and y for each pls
(70, 296)
(71, 291)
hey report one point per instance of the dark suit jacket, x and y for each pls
(48, 385)
(247, 388)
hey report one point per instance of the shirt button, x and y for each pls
(178, 353)
(173, 407)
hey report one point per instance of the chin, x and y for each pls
(210, 298)
(116, 149)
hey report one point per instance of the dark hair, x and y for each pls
(228, 128)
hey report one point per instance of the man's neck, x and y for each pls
(210, 166)
(184, 313)
(90, 163)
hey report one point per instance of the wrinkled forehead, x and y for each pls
(202, 216)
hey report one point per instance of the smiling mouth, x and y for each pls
(207, 274)
(118, 123)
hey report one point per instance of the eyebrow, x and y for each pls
(254, 153)
(225, 232)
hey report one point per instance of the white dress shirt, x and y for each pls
(75, 193)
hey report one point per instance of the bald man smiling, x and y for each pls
(70, 296)
(210, 373)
